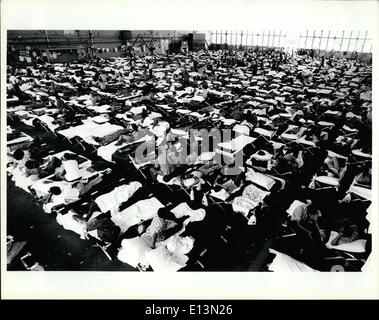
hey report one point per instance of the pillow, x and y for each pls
(179, 245)
(260, 179)
(293, 207)
(360, 191)
(161, 260)
(69, 223)
(262, 155)
(285, 263)
(132, 251)
(264, 132)
(241, 129)
(254, 193)
(357, 246)
(243, 205)
(100, 119)
(332, 181)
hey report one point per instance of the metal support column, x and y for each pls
(327, 41)
(343, 37)
(319, 44)
(364, 41)
(263, 36)
(356, 41)
(348, 44)
(313, 38)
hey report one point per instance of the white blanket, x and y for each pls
(69, 223)
(141, 211)
(184, 210)
(89, 130)
(170, 254)
(108, 150)
(236, 144)
(162, 260)
(360, 191)
(243, 205)
(260, 179)
(332, 181)
(117, 196)
(357, 246)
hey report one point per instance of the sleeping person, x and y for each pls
(119, 136)
(58, 196)
(348, 232)
(20, 157)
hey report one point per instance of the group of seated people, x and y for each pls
(287, 121)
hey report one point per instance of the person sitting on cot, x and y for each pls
(69, 170)
(163, 226)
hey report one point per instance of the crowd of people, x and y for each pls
(275, 144)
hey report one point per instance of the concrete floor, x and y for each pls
(53, 247)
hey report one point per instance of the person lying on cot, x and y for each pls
(38, 150)
(58, 197)
(20, 157)
(348, 232)
(103, 226)
(293, 157)
(32, 169)
(43, 171)
(118, 136)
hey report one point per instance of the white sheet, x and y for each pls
(264, 132)
(117, 196)
(285, 263)
(260, 179)
(184, 210)
(23, 138)
(360, 191)
(89, 130)
(331, 181)
(69, 223)
(236, 144)
(221, 194)
(294, 205)
(243, 205)
(133, 251)
(254, 193)
(107, 151)
(162, 260)
(141, 211)
(361, 154)
(357, 246)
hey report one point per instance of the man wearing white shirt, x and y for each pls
(71, 167)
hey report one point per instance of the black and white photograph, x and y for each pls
(243, 149)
